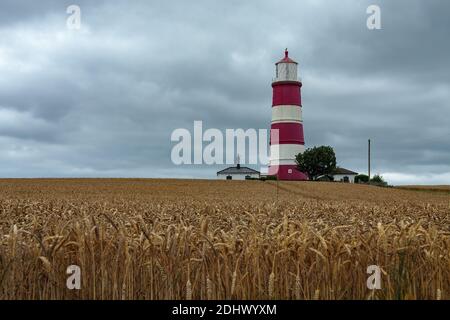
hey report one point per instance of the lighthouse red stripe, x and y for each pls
(288, 173)
(286, 94)
(289, 133)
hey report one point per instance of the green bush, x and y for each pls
(362, 178)
(378, 180)
(269, 178)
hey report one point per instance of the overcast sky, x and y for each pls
(103, 101)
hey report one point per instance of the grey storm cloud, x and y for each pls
(104, 100)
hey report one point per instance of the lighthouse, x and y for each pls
(287, 139)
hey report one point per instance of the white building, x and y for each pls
(238, 173)
(344, 175)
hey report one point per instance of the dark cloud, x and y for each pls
(104, 100)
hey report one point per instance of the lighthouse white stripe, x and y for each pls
(282, 163)
(285, 153)
(286, 113)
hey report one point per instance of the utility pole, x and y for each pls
(369, 158)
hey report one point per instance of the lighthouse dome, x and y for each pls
(286, 58)
(286, 69)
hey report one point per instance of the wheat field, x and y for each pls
(181, 239)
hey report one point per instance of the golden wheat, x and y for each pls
(180, 239)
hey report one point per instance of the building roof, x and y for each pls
(286, 58)
(344, 171)
(238, 170)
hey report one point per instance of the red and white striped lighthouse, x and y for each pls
(287, 119)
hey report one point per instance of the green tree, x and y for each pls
(317, 161)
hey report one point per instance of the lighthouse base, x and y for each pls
(287, 173)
